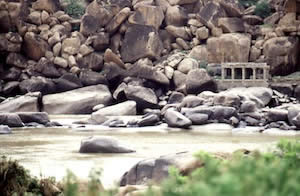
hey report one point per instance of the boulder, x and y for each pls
(127, 108)
(229, 47)
(12, 74)
(179, 80)
(78, 101)
(191, 101)
(176, 97)
(154, 169)
(275, 115)
(17, 60)
(231, 25)
(37, 84)
(176, 119)
(110, 56)
(67, 82)
(248, 107)
(227, 99)
(25, 103)
(144, 97)
(210, 13)
(89, 78)
(198, 80)
(140, 70)
(11, 120)
(101, 41)
(281, 54)
(178, 32)
(202, 33)
(47, 68)
(102, 145)
(4, 129)
(92, 61)
(187, 64)
(294, 115)
(34, 46)
(117, 20)
(222, 113)
(89, 25)
(149, 120)
(141, 41)
(10, 87)
(284, 88)
(232, 7)
(50, 6)
(197, 118)
(70, 45)
(176, 16)
(37, 117)
(199, 53)
(5, 22)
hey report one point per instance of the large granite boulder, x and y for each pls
(141, 41)
(11, 120)
(281, 54)
(117, 20)
(89, 78)
(198, 81)
(38, 117)
(144, 97)
(231, 25)
(229, 47)
(176, 119)
(155, 169)
(102, 145)
(210, 13)
(176, 15)
(232, 7)
(34, 46)
(25, 103)
(78, 101)
(37, 84)
(50, 6)
(127, 108)
(147, 15)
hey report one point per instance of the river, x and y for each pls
(53, 151)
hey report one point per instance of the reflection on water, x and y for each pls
(51, 151)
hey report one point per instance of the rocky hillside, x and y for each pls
(154, 44)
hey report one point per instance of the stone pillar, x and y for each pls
(243, 73)
(254, 73)
(232, 74)
(223, 73)
(265, 73)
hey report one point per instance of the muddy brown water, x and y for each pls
(53, 151)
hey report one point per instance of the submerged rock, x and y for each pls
(4, 129)
(102, 145)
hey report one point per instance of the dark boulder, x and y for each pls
(37, 117)
(198, 81)
(102, 145)
(176, 119)
(11, 120)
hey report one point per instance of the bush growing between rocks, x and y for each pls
(247, 3)
(262, 9)
(74, 8)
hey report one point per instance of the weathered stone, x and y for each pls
(231, 25)
(176, 16)
(35, 18)
(275, 115)
(38, 117)
(232, 7)
(210, 13)
(144, 97)
(176, 119)
(230, 47)
(254, 54)
(47, 68)
(191, 101)
(281, 54)
(34, 46)
(109, 56)
(54, 39)
(101, 41)
(50, 6)
(67, 82)
(25, 103)
(197, 118)
(10, 87)
(4, 129)
(149, 120)
(227, 99)
(127, 108)
(78, 101)
(57, 49)
(60, 62)
(113, 25)
(248, 107)
(199, 53)
(89, 25)
(88, 78)
(141, 41)
(71, 45)
(294, 115)
(93, 61)
(5, 22)
(12, 74)
(85, 50)
(187, 64)
(181, 2)
(147, 15)
(284, 88)
(11, 120)
(198, 80)
(252, 19)
(179, 80)
(176, 97)
(102, 145)
(37, 84)
(202, 33)
(17, 60)
(178, 32)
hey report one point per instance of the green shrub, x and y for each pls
(262, 9)
(247, 3)
(74, 8)
(275, 174)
